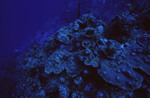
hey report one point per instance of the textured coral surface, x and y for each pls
(89, 59)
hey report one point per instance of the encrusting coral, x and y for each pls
(78, 58)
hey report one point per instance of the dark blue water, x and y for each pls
(20, 21)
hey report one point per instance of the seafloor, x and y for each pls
(89, 59)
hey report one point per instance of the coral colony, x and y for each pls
(89, 59)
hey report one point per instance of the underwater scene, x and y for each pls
(75, 49)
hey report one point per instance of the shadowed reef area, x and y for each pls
(87, 58)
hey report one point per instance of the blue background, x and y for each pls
(22, 20)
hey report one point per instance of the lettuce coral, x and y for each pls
(78, 59)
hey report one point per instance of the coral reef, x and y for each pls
(87, 59)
